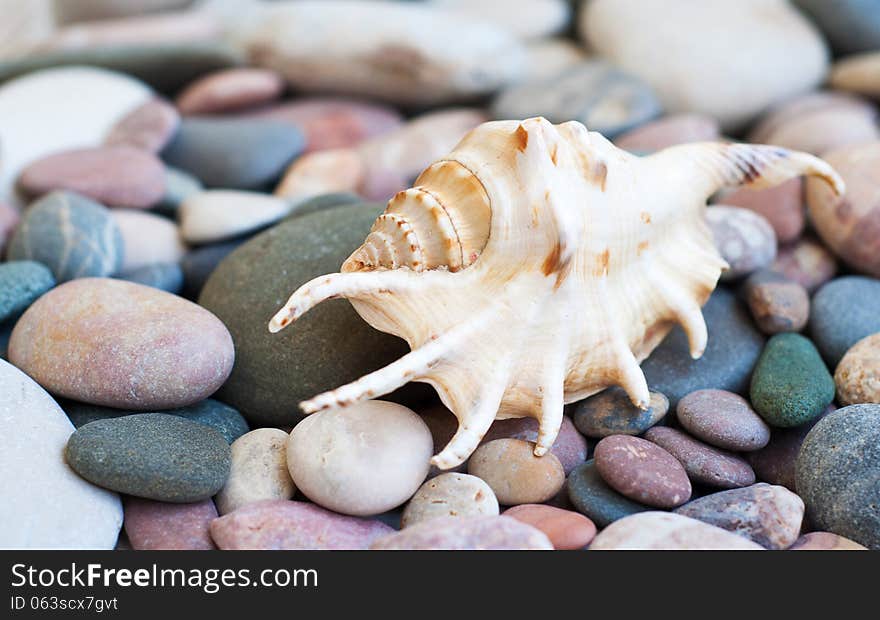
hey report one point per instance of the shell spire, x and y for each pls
(537, 265)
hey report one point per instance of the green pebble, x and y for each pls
(791, 384)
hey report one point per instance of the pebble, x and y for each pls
(230, 90)
(118, 176)
(179, 186)
(857, 74)
(723, 419)
(777, 303)
(334, 122)
(233, 153)
(564, 528)
(285, 525)
(72, 235)
(148, 238)
(88, 10)
(850, 224)
(806, 262)
(611, 412)
(642, 471)
(450, 495)
(527, 19)
(782, 206)
(374, 48)
(665, 531)
(669, 131)
(775, 463)
(380, 167)
(151, 455)
(258, 470)
(515, 474)
(590, 495)
(212, 413)
(593, 92)
(9, 218)
(790, 385)
(218, 215)
(160, 526)
(703, 463)
(733, 349)
(570, 447)
(486, 533)
(166, 277)
(149, 127)
(843, 312)
(825, 541)
(22, 282)
(545, 58)
(134, 30)
(46, 505)
(703, 68)
(817, 123)
(199, 263)
(273, 372)
(849, 25)
(837, 472)
(858, 375)
(744, 239)
(768, 515)
(119, 344)
(360, 460)
(36, 122)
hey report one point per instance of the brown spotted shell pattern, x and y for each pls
(537, 265)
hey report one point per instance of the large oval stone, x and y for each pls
(45, 504)
(120, 344)
(665, 531)
(326, 348)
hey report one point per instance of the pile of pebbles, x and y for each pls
(169, 177)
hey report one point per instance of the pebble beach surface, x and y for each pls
(167, 182)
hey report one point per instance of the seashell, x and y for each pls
(537, 265)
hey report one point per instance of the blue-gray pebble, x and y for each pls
(163, 276)
(21, 284)
(842, 312)
(849, 25)
(75, 237)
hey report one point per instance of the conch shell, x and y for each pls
(537, 265)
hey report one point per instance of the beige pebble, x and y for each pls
(216, 215)
(450, 495)
(665, 531)
(148, 239)
(515, 474)
(858, 374)
(258, 472)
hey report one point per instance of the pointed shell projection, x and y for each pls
(537, 265)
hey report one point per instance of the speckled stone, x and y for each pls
(570, 447)
(160, 526)
(744, 239)
(212, 413)
(642, 471)
(72, 235)
(611, 412)
(166, 277)
(782, 206)
(858, 375)
(258, 472)
(450, 495)
(703, 463)
(790, 385)
(733, 349)
(843, 312)
(273, 372)
(117, 176)
(22, 282)
(768, 515)
(564, 528)
(837, 473)
(234, 153)
(777, 304)
(286, 525)
(723, 419)
(115, 343)
(515, 474)
(665, 531)
(825, 541)
(591, 496)
(230, 90)
(806, 262)
(593, 92)
(467, 534)
(151, 455)
(669, 131)
(149, 127)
